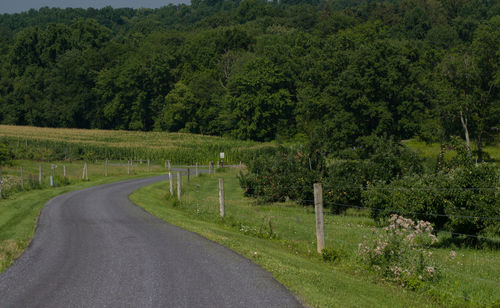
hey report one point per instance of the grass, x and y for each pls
(431, 151)
(11, 174)
(42, 143)
(286, 248)
(19, 209)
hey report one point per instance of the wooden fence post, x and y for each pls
(40, 174)
(222, 209)
(106, 168)
(128, 167)
(318, 208)
(52, 175)
(179, 184)
(22, 177)
(64, 171)
(85, 175)
(197, 173)
(171, 183)
(189, 171)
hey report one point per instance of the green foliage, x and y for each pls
(179, 111)
(463, 200)
(332, 255)
(258, 70)
(6, 154)
(260, 102)
(290, 173)
(279, 176)
(374, 160)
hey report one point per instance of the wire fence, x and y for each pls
(29, 175)
(349, 235)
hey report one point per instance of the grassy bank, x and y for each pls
(280, 237)
(19, 209)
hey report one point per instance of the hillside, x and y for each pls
(255, 70)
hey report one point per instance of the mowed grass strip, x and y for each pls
(291, 255)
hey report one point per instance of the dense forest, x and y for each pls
(334, 71)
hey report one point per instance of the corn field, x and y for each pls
(51, 144)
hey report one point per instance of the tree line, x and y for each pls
(329, 72)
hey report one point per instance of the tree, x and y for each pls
(468, 88)
(260, 101)
(486, 51)
(179, 112)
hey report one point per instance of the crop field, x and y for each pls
(281, 238)
(65, 144)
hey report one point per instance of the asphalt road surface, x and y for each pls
(95, 248)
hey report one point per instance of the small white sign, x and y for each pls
(221, 155)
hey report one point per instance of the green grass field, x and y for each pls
(472, 278)
(431, 151)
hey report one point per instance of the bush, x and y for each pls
(376, 160)
(463, 200)
(284, 175)
(290, 174)
(332, 255)
(398, 252)
(6, 155)
(345, 181)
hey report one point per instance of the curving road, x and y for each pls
(95, 248)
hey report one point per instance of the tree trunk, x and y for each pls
(466, 130)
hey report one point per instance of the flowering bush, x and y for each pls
(10, 182)
(399, 252)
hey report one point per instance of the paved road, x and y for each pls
(95, 248)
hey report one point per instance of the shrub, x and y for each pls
(6, 155)
(284, 175)
(463, 200)
(377, 159)
(398, 252)
(290, 173)
(332, 255)
(473, 200)
(345, 181)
